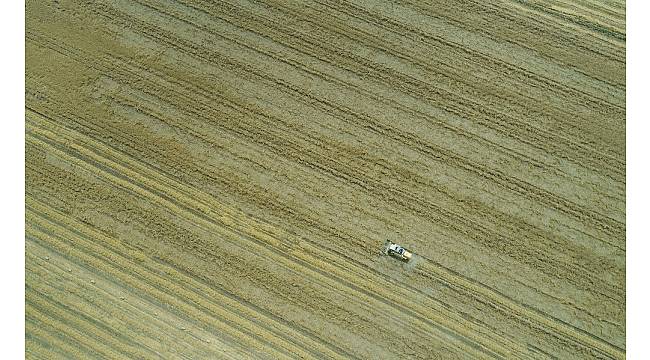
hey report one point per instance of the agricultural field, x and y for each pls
(209, 180)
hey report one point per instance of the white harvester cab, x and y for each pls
(397, 251)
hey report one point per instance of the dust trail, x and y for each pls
(410, 266)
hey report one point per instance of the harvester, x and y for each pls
(397, 251)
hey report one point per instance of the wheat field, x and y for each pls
(210, 180)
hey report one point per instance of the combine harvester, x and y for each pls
(397, 251)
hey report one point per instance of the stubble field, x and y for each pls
(216, 179)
